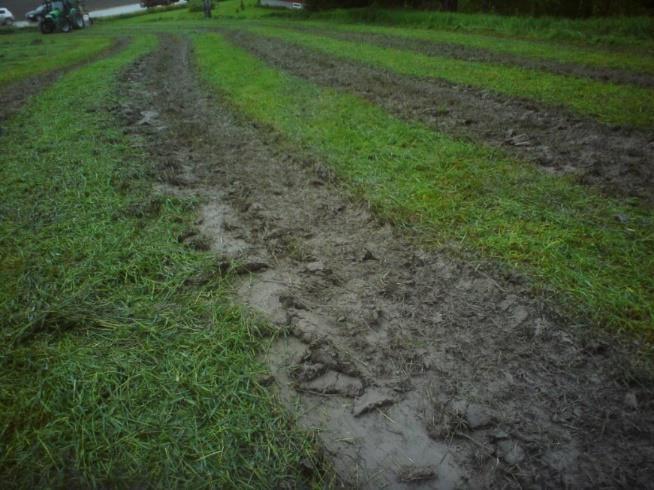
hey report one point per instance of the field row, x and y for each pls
(609, 103)
(26, 55)
(565, 235)
(123, 362)
(635, 62)
(122, 349)
(618, 104)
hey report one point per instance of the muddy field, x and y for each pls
(618, 160)
(416, 370)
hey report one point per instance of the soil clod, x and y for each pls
(416, 473)
(371, 399)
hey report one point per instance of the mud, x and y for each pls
(15, 95)
(467, 53)
(617, 160)
(416, 371)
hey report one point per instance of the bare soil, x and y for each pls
(14, 96)
(415, 369)
(468, 53)
(618, 160)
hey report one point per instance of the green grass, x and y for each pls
(122, 363)
(632, 32)
(24, 55)
(630, 61)
(607, 102)
(564, 235)
(184, 18)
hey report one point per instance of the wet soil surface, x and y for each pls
(468, 53)
(15, 95)
(618, 160)
(417, 371)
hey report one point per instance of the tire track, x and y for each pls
(467, 53)
(420, 371)
(618, 160)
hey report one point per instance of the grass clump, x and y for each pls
(27, 54)
(608, 102)
(564, 235)
(118, 367)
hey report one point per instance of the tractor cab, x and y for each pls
(62, 16)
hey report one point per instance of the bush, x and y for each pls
(198, 5)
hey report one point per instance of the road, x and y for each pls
(20, 7)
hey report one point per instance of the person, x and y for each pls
(207, 8)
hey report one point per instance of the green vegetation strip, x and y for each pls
(630, 61)
(563, 234)
(633, 32)
(26, 54)
(122, 363)
(610, 103)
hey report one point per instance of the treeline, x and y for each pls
(536, 8)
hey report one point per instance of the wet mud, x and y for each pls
(467, 53)
(14, 96)
(415, 369)
(620, 161)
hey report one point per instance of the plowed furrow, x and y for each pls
(616, 159)
(420, 371)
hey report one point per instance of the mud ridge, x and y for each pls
(617, 160)
(419, 371)
(467, 53)
(15, 95)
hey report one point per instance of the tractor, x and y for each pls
(62, 16)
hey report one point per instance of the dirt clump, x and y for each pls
(619, 160)
(418, 371)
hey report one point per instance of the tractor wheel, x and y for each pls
(78, 22)
(66, 26)
(47, 26)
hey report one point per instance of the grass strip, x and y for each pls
(564, 235)
(608, 102)
(28, 54)
(122, 362)
(628, 61)
(633, 32)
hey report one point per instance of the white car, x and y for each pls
(6, 17)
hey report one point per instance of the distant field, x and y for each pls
(636, 32)
(608, 102)
(637, 62)
(28, 54)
